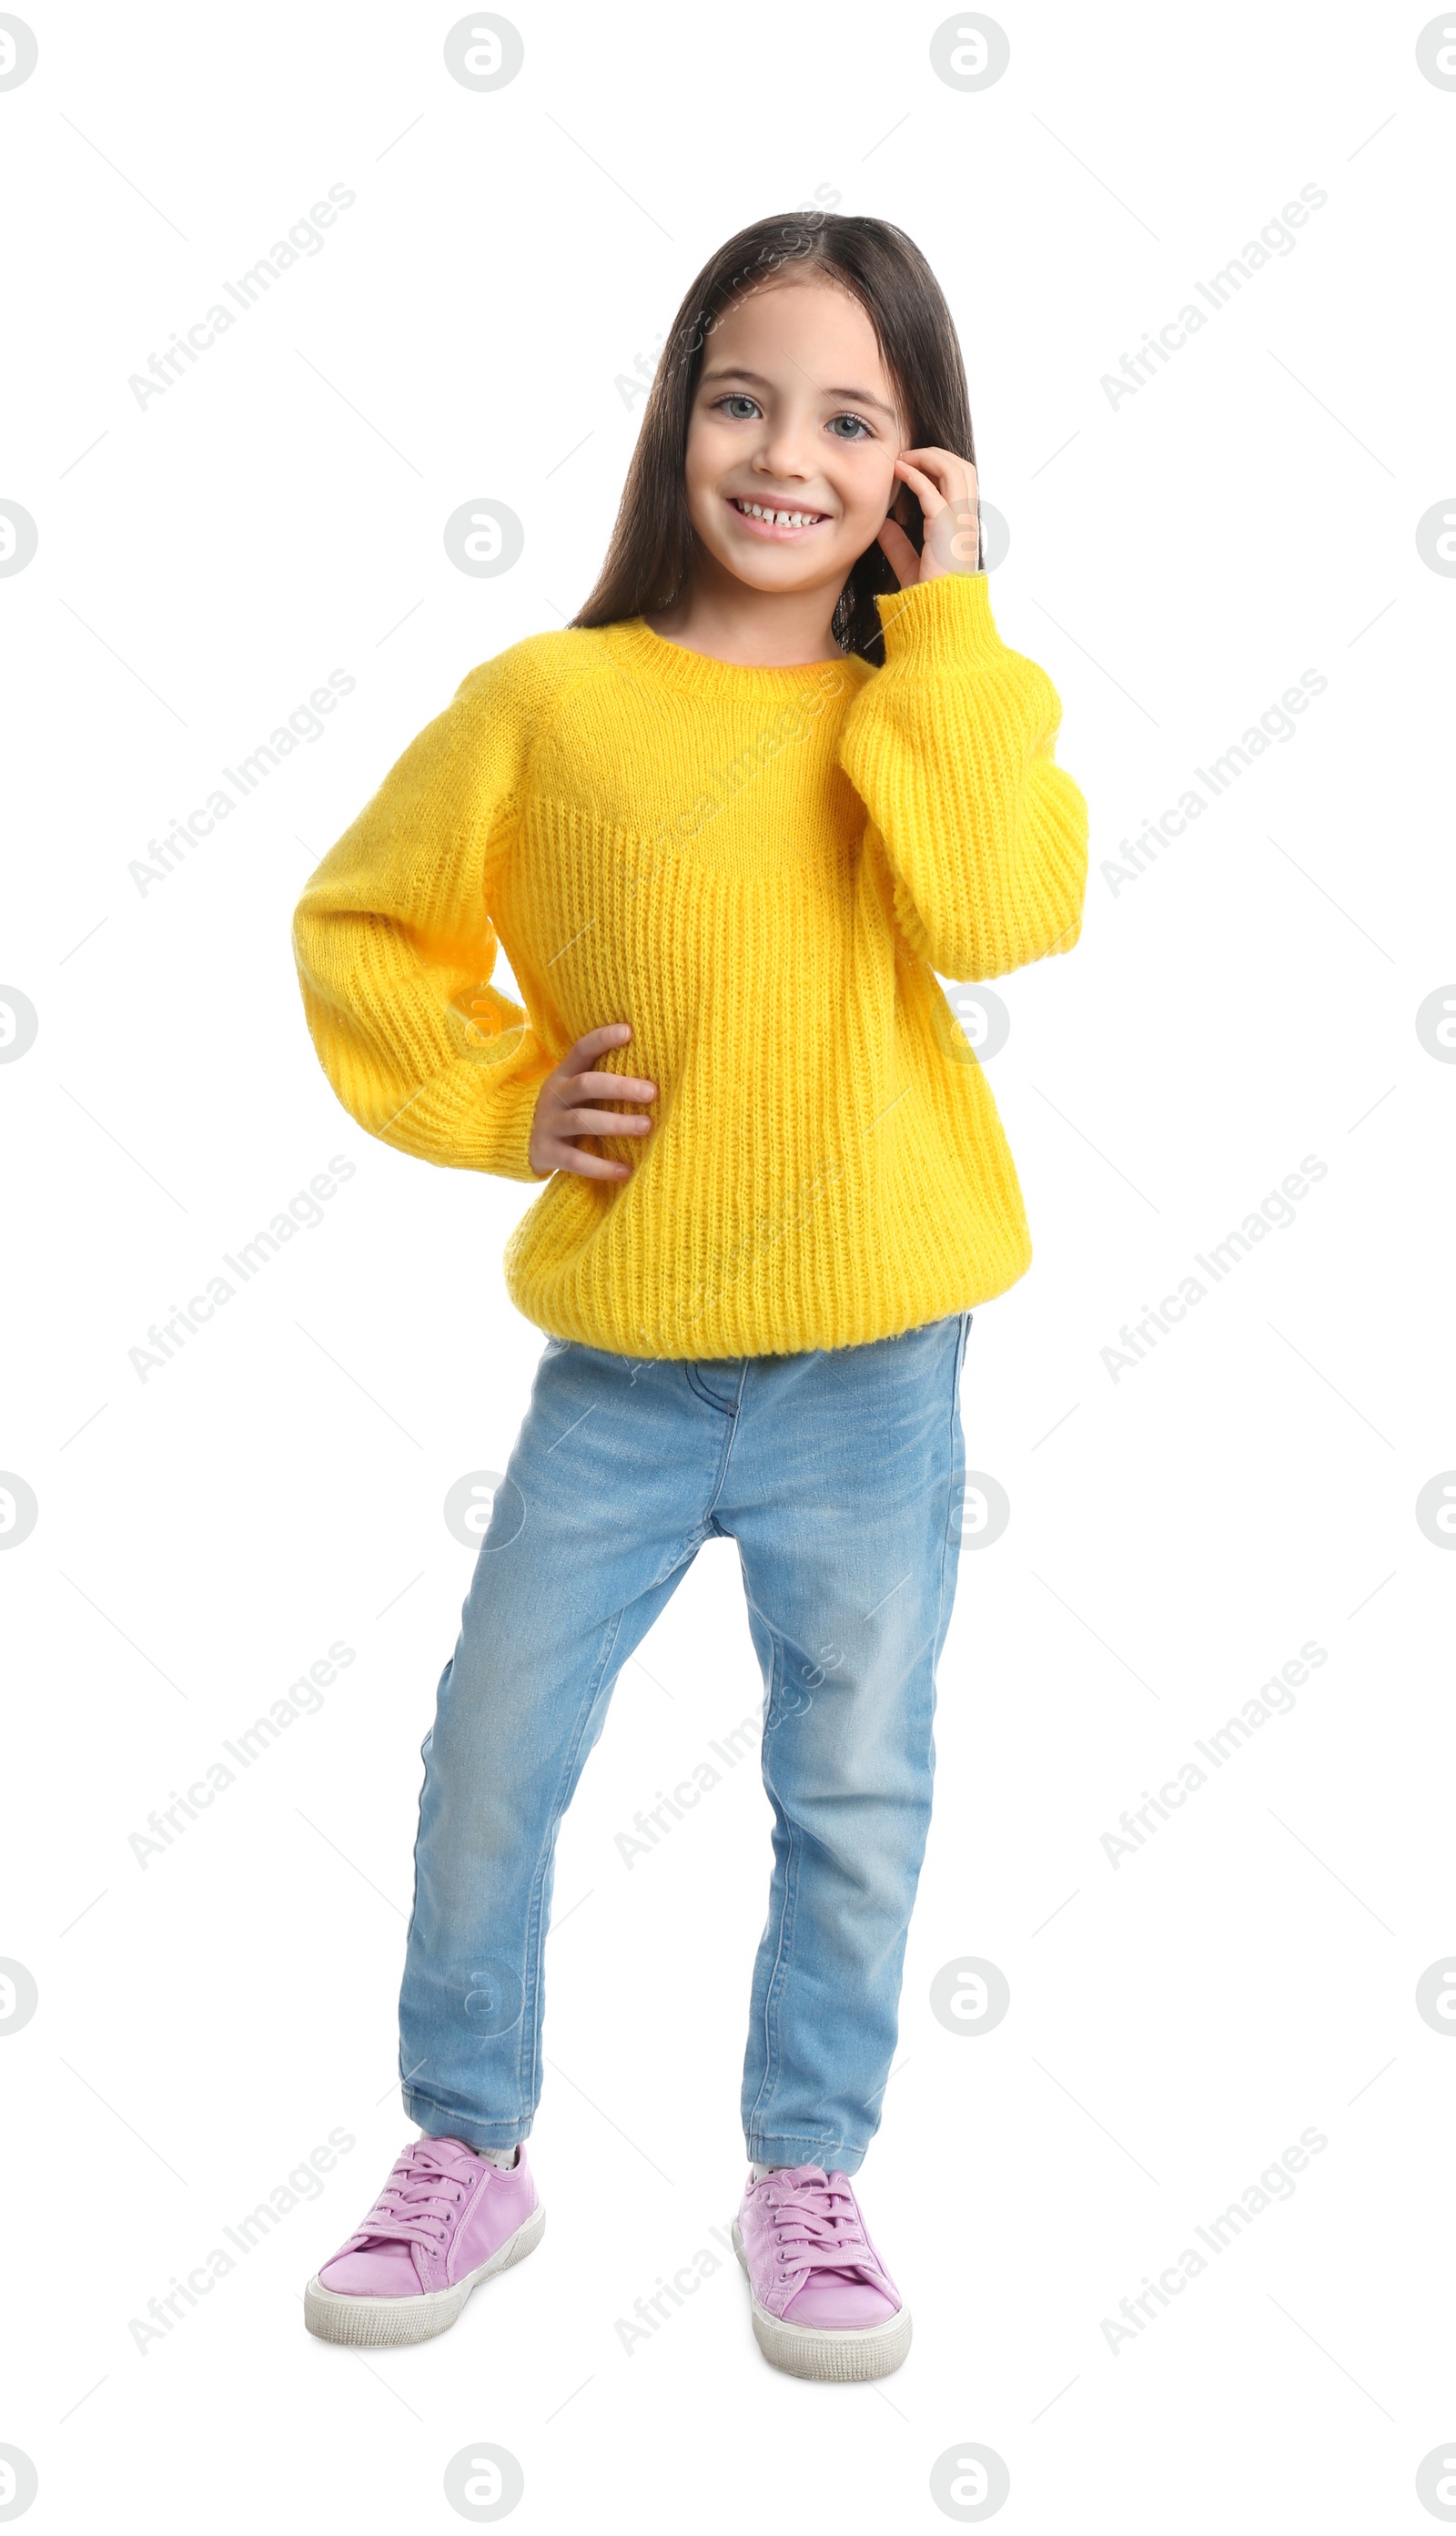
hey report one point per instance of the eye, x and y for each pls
(735, 396)
(861, 430)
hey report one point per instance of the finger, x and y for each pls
(591, 1166)
(951, 540)
(598, 1123)
(596, 1043)
(954, 481)
(613, 1087)
(904, 562)
(943, 465)
(924, 487)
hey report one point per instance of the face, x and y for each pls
(794, 413)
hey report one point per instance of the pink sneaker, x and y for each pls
(824, 2304)
(444, 2220)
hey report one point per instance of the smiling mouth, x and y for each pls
(775, 520)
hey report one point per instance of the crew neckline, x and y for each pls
(635, 644)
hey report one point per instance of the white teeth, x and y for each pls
(779, 518)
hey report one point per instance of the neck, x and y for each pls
(757, 629)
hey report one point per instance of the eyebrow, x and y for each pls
(854, 396)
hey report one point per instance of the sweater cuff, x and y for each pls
(465, 1119)
(946, 621)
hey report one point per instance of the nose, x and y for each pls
(785, 454)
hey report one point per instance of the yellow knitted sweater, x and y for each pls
(762, 870)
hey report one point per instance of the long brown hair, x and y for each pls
(650, 559)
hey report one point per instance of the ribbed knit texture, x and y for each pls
(761, 870)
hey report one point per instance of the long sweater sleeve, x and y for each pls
(395, 945)
(950, 748)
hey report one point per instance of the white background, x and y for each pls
(1176, 561)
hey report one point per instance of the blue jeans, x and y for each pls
(841, 1476)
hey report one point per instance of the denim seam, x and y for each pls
(414, 1885)
(529, 2084)
(774, 1988)
(816, 2140)
(405, 2076)
(731, 1437)
(700, 1391)
(412, 2102)
(955, 1402)
(708, 1524)
(680, 1558)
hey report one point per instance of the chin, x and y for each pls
(780, 572)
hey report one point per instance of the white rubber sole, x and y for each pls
(807, 2351)
(335, 2317)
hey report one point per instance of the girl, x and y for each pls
(779, 771)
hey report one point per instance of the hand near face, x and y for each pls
(945, 488)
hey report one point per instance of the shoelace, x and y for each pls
(418, 2205)
(817, 2227)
